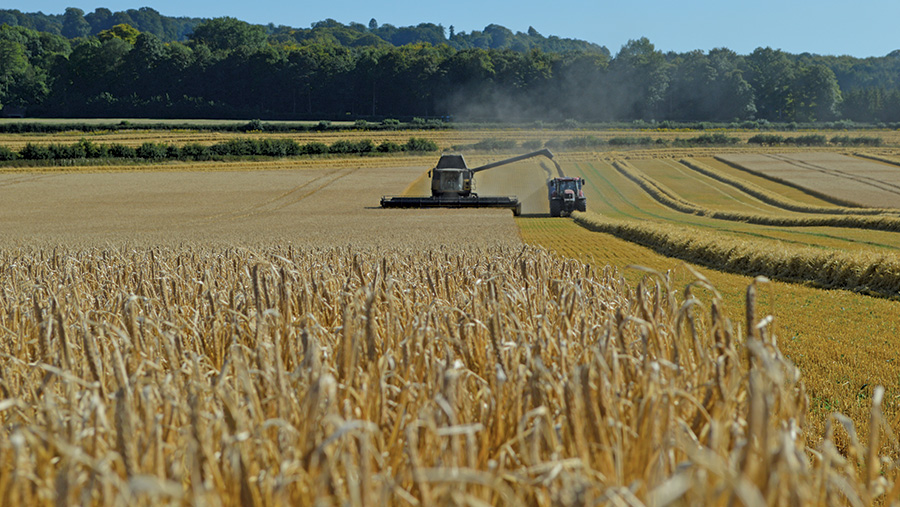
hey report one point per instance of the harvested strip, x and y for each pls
(878, 158)
(839, 179)
(776, 200)
(612, 194)
(702, 189)
(668, 198)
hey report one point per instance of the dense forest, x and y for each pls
(138, 63)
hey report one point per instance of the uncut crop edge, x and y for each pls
(875, 275)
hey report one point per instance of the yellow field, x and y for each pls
(262, 333)
(829, 334)
(842, 341)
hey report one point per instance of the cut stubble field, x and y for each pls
(302, 206)
(854, 181)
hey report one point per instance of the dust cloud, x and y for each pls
(526, 180)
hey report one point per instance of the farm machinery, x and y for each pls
(566, 195)
(453, 186)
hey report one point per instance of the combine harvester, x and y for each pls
(453, 185)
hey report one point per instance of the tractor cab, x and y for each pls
(563, 186)
(570, 185)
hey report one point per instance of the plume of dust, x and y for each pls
(546, 170)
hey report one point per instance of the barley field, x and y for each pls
(287, 204)
(262, 333)
(290, 377)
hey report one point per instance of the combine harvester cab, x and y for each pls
(566, 195)
(453, 185)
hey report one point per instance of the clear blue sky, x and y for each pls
(862, 28)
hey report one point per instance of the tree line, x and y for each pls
(75, 23)
(227, 68)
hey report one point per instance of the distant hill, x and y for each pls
(75, 23)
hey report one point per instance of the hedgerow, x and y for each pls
(243, 147)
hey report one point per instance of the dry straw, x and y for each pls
(504, 376)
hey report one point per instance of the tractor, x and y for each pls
(566, 195)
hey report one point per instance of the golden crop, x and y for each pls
(280, 376)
